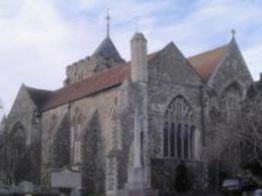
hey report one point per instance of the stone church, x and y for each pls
(155, 111)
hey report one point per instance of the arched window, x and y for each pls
(17, 141)
(178, 133)
(230, 100)
(17, 150)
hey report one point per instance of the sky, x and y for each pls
(39, 38)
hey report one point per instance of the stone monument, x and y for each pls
(138, 183)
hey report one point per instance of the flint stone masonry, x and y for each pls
(102, 124)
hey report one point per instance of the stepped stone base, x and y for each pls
(137, 184)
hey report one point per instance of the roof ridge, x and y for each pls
(209, 51)
(115, 75)
(97, 74)
(37, 89)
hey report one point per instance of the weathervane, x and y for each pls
(108, 18)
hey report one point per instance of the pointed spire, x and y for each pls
(107, 50)
(108, 18)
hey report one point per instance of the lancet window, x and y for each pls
(17, 144)
(230, 101)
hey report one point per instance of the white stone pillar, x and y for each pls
(137, 141)
(139, 71)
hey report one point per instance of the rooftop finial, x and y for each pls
(108, 18)
(233, 31)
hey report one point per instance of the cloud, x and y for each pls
(39, 38)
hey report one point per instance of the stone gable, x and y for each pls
(233, 68)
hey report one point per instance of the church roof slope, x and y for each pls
(101, 81)
(94, 84)
(205, 63)
(39, 96)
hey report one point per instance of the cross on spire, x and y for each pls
(108, 18)
(233, 31)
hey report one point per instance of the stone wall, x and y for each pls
(222, 130)
(170, 75)
(103, 105)
(25, 113)
(164, 174)
(80, 70)
(232, 68)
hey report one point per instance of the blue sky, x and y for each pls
(39, 38)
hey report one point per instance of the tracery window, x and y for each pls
(17, 145)
(230, 101)
(179, 128)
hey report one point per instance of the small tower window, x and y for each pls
(230, 101)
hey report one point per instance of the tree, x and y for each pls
(251, 125)
(223, 146)
(1, 108)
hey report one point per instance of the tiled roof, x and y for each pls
(101, 81)
(94, 84)
(206, 63)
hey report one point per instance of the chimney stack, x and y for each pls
(139, 72)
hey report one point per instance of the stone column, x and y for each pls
(138, 174)
(139, 71)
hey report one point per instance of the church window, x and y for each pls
(186, 142)
(172, 139)
(18, 141)
(192, 132)
(17, 149)
(166, 143)
(178, 136)
(230, 101)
